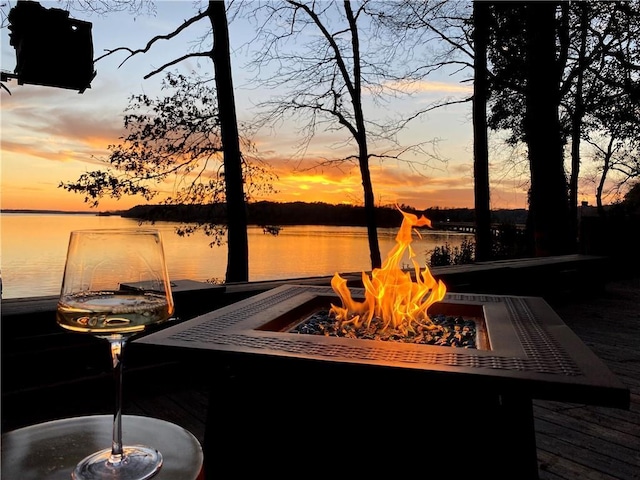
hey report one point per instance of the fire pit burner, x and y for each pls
(447, 331)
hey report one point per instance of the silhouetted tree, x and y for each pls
(612, 152)
(174, 142)
(456, 37)
(612, 94)
(549, 207)
(238, 244)
(234, 195)
(597, 57)
(481, 19)
(343, 52)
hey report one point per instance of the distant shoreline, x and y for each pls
(57, 212)
(265, 213)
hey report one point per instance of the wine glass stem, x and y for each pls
(117, 347)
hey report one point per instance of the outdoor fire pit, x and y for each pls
(308, 405)
(522, 341)
(292, 399)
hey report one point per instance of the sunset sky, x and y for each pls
(51, 135)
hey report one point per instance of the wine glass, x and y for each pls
(115, 285)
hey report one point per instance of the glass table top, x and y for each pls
(50, 450)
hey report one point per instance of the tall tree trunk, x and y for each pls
(480, 140)
(369, 205)
(549, 206)
(600, 188)
(606, 166)
(237, 240)
(576, 122)
(361, 138)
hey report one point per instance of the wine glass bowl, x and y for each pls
(115, 285)
(115, 282)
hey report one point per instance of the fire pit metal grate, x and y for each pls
(236, 329)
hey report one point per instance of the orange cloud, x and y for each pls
(341, 183)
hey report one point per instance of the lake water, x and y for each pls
(34, 247)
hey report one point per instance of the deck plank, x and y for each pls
(553, 467)
(584, 421)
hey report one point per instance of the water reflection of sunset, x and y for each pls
(34, 249)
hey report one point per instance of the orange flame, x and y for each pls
(390, 293)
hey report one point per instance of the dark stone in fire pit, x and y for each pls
(449, 331)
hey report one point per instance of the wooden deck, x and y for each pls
(586, 442)
(574, 441)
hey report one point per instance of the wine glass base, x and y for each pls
(138, 463)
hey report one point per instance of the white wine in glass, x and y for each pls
(115, 285)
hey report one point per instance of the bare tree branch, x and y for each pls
(176, 61)
(155, 39)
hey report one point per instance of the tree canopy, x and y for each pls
(173, 147)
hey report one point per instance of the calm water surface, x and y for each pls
(34, 247)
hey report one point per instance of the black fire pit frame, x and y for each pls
(320, 394)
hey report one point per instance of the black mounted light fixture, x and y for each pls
(51, 49)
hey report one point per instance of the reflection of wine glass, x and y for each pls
(115, 285)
